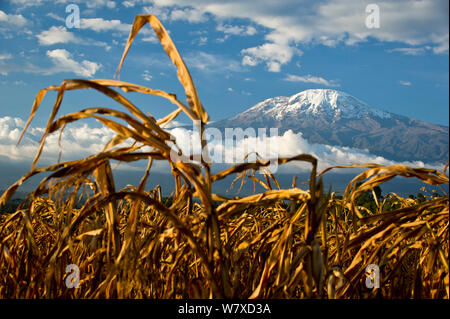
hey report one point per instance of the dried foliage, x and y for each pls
(131, 243)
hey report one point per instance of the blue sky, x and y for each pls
(238, 52)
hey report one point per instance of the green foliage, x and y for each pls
(10, 206)
(367, 200)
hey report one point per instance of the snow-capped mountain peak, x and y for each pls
(315, 102)
(336, 118)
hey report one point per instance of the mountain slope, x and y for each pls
(336, 118)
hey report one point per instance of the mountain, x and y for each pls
(336, 118)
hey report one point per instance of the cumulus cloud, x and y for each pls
(161, 12)
(443, 46)
(91, 4)
(100, 3)
(223, 149)
(310, 79)
(15, 20)
(102, 25)
(64, 62)
(129, 3)
(329, 23)
(56, 35)
(27, 3)
(236, 30)
(273, 54)
(78, 141)
(248, 60)
(59, 34)
(188, 14)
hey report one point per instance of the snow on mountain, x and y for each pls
(336, 118)
(330, 103)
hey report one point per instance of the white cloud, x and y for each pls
(111, 4)
(27, 3)
(56, 17)
(151, 38)
(273, 54)
(287, 145)
(5, 56)
(188, 14)
(236, 30)
(146, 76)
(273, 66)
(15, 20)
(63, 62)
(91, 4)
(10, 128)
(56, 35)
(102, 25)
(405, 83)
(330, 23)
(60, 34)
(160, 12)
(175, 123)
(291, 144)
(80, 141)
(211, 63)
(443, 46)
(202, 40)
(183, 13)
(19, 82)
(100, 3)
(129, 3)
(248, 60)
(309, 79)
(76, 142)
(410, 51)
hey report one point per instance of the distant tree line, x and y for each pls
(365, 199)
(10, 206)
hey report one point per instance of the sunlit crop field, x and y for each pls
(302, 242)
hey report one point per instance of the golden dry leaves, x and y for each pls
(281, 243)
